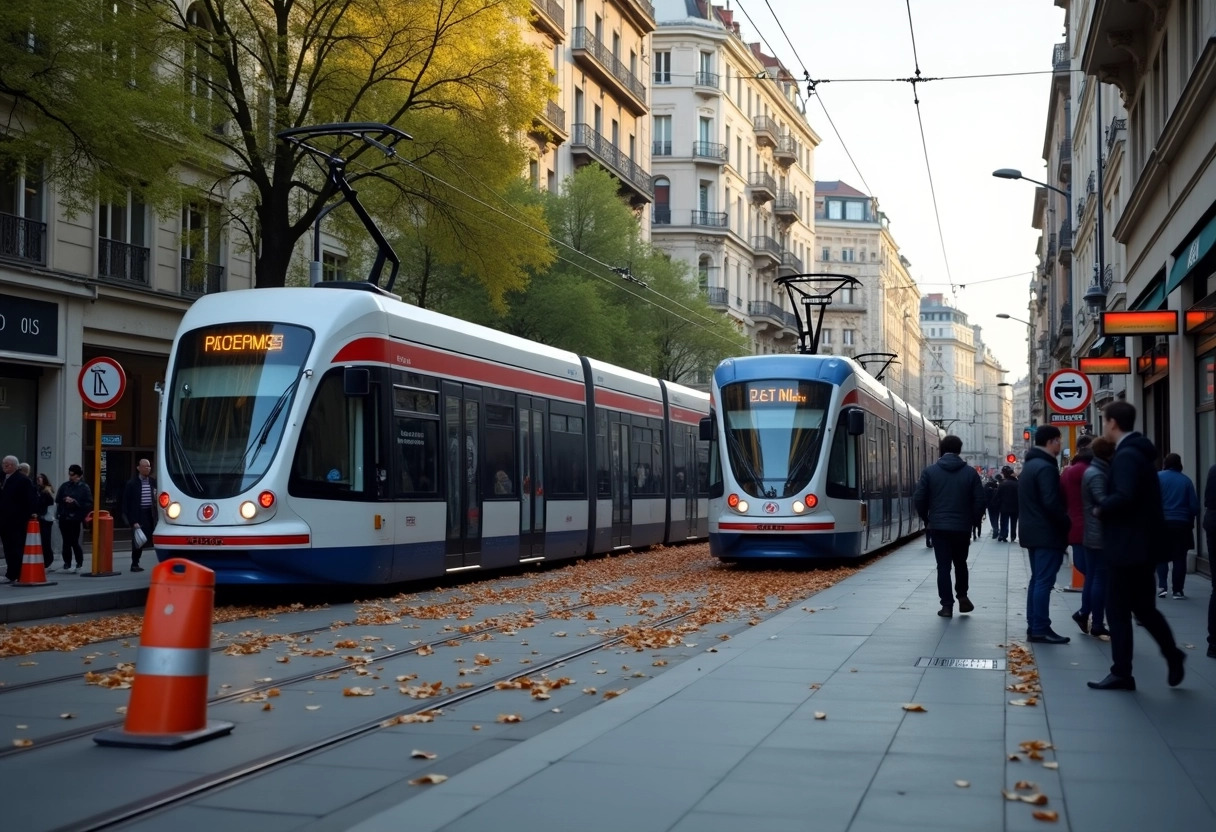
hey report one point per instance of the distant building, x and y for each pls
(732, 156)
(853, 237)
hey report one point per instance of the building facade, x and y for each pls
(733, 163)
(599, 53)
(853, 237)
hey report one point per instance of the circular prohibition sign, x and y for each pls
(1069, 391)
(101, 383)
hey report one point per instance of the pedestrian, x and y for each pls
(1009, 506)
(73, 502)
(46, 519)
(1133, 526)
(139, 508)
(1070, 487)
(1209, 530)
(1181, 506)
(1044, 530)
(949, 497)
(18, 503)
(992, 491)
(1093, 492)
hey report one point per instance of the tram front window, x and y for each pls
(231, 389)
(774, 430)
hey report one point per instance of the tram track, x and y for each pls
(234, 775)
(262, 687)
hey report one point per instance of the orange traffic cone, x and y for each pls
(168, 705)
(33, 568)
(1078, 580)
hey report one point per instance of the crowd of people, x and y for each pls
(23, 499)
(1128, 526)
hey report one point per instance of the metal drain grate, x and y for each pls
(964, 664)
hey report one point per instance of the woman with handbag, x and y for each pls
(46, 519)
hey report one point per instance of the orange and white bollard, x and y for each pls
(168, 705)
(33, 566)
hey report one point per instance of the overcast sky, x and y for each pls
(972, 127)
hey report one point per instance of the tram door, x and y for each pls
(684, 518)
(622, 497)
(531, 478)
(461, 416)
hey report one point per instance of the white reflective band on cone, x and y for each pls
(172, 661)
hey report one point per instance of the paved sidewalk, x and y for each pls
(73, 594)
(730, 740)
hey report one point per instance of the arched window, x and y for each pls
(662, 201)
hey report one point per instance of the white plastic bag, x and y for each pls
(139, 538)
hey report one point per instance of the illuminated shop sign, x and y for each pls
(1161, 322)
(1110, 366)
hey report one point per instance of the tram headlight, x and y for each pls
(798, 507)
(248, 510)
(173, 511)
(742, 507)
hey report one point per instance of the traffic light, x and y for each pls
(1011, 458)
(1026, 435)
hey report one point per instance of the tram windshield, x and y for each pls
(774, 430)
(231, 390)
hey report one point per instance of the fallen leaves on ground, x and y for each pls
(428, 780)
(915, 708)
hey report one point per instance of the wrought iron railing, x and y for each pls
(787, 146)
(706, 79)
(583, 39)
(122, 261)
(556, 115)
(661, 216)
(765, 309)
(710, 150)
(1059, 57)
(717, 296)
(22, 239)
(660, 148)
(713, 219)
(199, 278)
(613, 157)
(786, 203)
(554, 10)
(789, 260)
(763, 180)
(1108, 277)
(766, 245)
(1112, 133)
(766, 124)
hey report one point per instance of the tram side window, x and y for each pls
(499, 471)
(680, 436)
(603, 479)
(568, 460)
(329, 457)
(417, 440)
(646, 461)
(842, 463)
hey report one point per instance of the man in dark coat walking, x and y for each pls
(992, 493)
(18, 503)
(1133, 528)
(1007, 496)
(1044, 530)
(950, 499)
(139, 506)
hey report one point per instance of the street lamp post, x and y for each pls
(1031, 370)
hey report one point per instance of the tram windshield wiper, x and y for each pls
(263, 433)
(741, 455)
(180, 455)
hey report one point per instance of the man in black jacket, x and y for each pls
(139, 506)
(1007, 498)
(950, 499)
(1044, 530)
(992, 493)
(18, 503)
(1133, 528)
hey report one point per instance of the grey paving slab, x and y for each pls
(208, 819)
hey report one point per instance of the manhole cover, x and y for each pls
(965, 664)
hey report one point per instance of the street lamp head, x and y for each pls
(1003, 384)
(1007, 173)
(1004, 315)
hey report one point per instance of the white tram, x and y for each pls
(334, 434)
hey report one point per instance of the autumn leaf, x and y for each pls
(358, 692)
(1031, 702)
(312, 707)
(22, 743)
(1046, 815)
(820, 715)
(423, 755)
(962, 784)
(1034, 799)
(1051, 765)
(915, 708)
(428, 780)
(509, 718)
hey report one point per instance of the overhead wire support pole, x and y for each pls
(380, 136)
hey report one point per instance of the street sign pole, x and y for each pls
(101, 384)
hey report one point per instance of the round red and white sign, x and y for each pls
(1069, 391)
(101, 383)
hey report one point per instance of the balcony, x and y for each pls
(1118, 127)
(767, 131)
(710, 219)
(1065, 243)
(763, 187)
(717, 297)
(122, 261)
(768, 252)
(661, 215)
(639, 12)
(22, 239)
(552, 122)
(591, 146)
(660, 148)
(1064, 160)
(199, 278)
(766, 315)
(786, 206)
(599, 62)
(786, 151)
(790, 264)
(1059, 59)
(551, 18)
(711, 152)
(706, 84)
